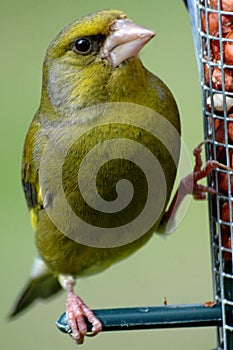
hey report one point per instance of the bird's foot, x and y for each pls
(189, 185)
(199, 191)
(76, 312)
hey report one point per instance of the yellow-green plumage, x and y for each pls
(72, 82)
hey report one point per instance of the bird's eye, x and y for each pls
(82, 46)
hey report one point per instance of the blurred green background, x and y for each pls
(177, 268)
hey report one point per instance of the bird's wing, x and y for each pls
(29, 174)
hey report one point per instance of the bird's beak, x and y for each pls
(125, 40)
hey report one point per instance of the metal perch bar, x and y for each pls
(155, 317)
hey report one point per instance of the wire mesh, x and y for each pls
(215, 29)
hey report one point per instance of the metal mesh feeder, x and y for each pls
(215, 26)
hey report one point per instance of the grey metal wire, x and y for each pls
(220, 230)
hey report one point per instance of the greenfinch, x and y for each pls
(92, 69)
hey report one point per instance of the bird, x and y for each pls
(92, 64)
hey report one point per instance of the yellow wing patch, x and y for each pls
(34, 211)
(34, 218)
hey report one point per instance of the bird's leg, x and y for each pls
(77, 311)
(189, 184)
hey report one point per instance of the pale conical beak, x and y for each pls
(124, 41)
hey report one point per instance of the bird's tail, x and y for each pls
(41, 285)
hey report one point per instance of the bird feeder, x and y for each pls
(215, 58)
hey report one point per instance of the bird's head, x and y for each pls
(83, 56)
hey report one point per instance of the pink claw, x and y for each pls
(189, 184)
(76, 312)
